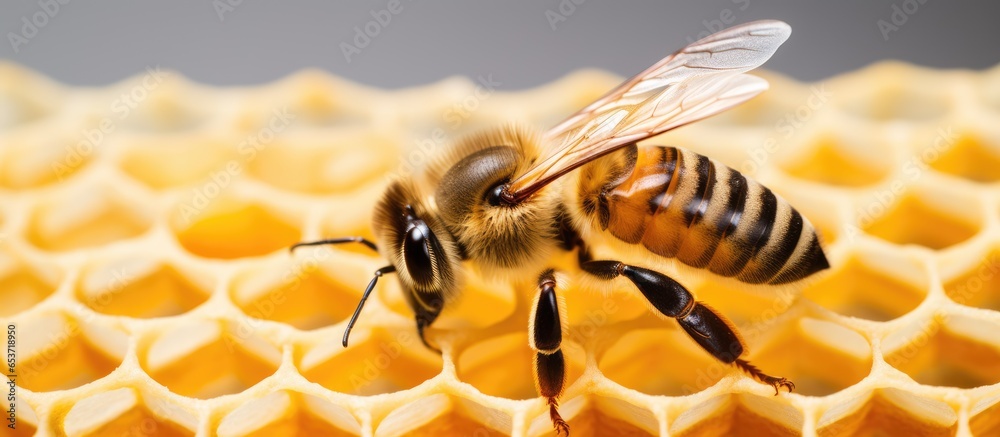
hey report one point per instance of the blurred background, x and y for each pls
(398, 43)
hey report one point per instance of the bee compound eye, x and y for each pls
(417, 253)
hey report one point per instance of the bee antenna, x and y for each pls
(364, 298)
(342, 240)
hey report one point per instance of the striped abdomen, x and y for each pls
(679, 204)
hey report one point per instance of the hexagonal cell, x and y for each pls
(312, 97)
(31, 161)
(889, 411)
(335, 163)
(972, 158)
(350, 215)
(57, 352)
(739, 415)
(820, 357)
(376, 362)
(167, 161)
(841, 159)
(142, 287)
(978, 285)
(744, 306)
(228, 228)
(23, 285)
(300, 293)
(595, 416)
(434, 415)
(88, 216)
(934, 218)
(25, 96)
(875, 286)
(464, 313)
(158, 101)
(962, 353)
(205, 359)
(984, 416)
(480, 365)
(794, 104)
(588, 311)
(900, 96)
(988, 88)
(681, 366)
(289, 413)
(826, 213)
(125, 412)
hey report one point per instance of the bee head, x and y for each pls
(419, 247)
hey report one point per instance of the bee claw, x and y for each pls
(773, 381)
(562, 428)
(777, 383)
(560, 425)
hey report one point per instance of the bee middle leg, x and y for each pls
(545, 338)
(710, 330)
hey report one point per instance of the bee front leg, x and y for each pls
(545, 337)
(426, 308)
(709, 329)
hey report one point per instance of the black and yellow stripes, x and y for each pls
(679, 204)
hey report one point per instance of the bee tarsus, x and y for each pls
(773, 381)
(364, 298)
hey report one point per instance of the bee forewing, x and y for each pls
(700, 80)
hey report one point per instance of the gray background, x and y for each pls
(102, 41)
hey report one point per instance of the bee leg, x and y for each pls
(426, 308)
(545, 337)
(710, 330)
(423, 323)
(342, 240)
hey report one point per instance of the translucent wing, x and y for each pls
(700, 80)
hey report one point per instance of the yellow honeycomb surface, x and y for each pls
(147, 287)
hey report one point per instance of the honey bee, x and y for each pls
(505, 200)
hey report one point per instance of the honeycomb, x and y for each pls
(146, 281)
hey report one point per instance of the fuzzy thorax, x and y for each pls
(496, 237)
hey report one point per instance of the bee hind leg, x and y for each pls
(709, 329)
(545, 338)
